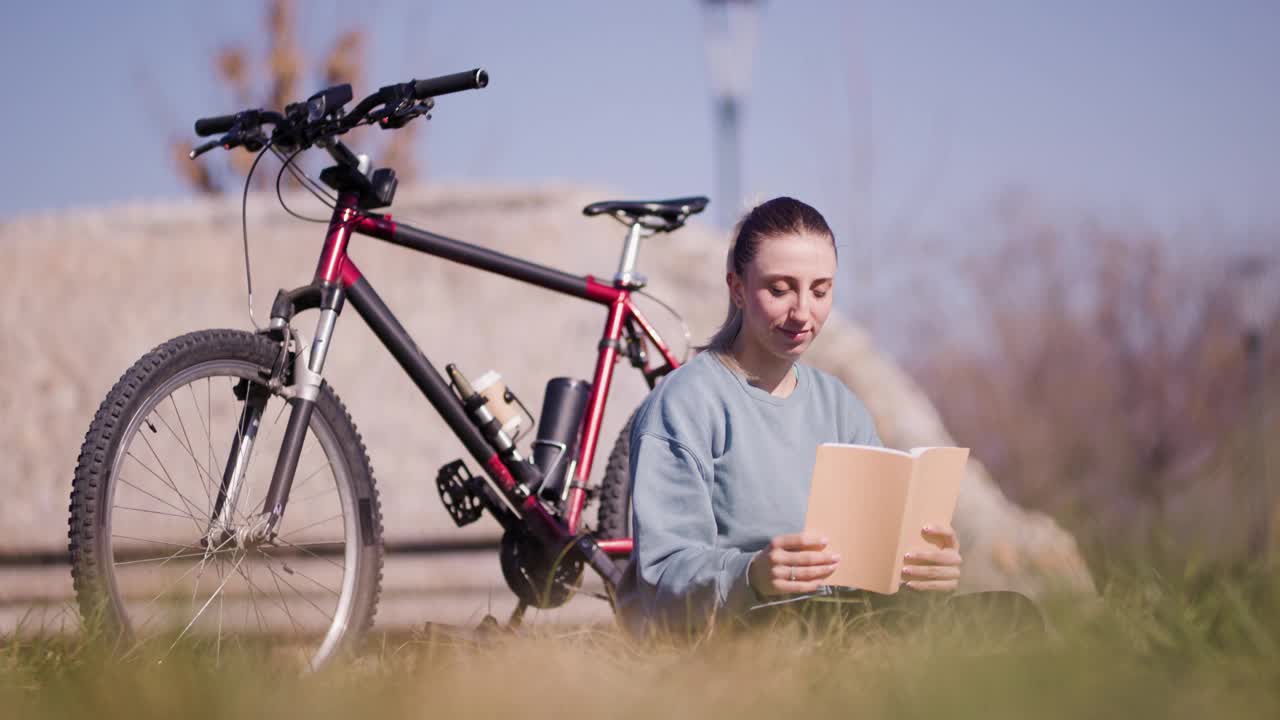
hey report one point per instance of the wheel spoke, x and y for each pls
(204, 607)
(237, 510)
(208, 416)
(157, 542)
(200, 470)
(307, 478)
(309, 526)
(253, 600)
(204, 562)
(164, 591)
(172, 486)
(217, 652)
(331, 561)
(204, 425)
(262, 498)
(309, 579)
(295, 589)
(276, 579)
(179, 555)
(309, 498)
(155, 497)
(153, 512)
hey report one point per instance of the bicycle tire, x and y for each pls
(613, 519)
(136, 402)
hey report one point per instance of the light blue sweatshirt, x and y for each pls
(718, 468)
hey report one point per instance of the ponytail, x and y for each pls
(722, 341)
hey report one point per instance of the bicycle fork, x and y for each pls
(222, 520)
(302, 395)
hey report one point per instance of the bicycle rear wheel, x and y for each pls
(146, 485)
(614, 514)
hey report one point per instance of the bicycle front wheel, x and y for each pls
(147, 561)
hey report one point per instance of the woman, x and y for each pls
(722, 450)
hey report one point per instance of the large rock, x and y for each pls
(93, 290)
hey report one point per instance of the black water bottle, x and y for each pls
(556, 446)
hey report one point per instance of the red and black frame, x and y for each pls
(338, 281)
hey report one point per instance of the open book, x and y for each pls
(871, 503)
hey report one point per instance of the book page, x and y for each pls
(935, 487)
(857, 500)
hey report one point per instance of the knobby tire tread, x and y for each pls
(614, 515)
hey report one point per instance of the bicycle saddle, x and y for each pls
(655, 215)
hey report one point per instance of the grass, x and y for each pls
(1195, 644)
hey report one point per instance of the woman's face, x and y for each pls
(785, 293)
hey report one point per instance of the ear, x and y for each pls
(737, 292)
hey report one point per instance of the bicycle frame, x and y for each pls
(337, 279)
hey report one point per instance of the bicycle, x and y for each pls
(162, 528)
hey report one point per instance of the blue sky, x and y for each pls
(883, 114)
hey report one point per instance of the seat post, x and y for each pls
(627, 276)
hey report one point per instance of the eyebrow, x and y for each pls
(783, 276)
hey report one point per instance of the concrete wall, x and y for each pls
(90, 291)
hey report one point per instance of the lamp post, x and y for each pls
(730, 32)
(1255, 289)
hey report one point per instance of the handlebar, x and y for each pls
(303, 124)
(214, 125)
(445, 84)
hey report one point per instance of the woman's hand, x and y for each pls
(937, 570)
(794, 563)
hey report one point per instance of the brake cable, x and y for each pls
(244, 231)
(287, 164)
(684, 326)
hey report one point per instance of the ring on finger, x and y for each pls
(793, 573)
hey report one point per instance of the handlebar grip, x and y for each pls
(214, 125)
(445, 84)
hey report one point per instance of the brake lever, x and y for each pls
(252, 140)
(198, 151)
(401, 116)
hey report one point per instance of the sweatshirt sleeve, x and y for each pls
(682, 578)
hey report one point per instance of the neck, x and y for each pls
(763, 370)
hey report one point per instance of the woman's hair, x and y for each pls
(770, 219)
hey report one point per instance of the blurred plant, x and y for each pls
(1182, 648)
(1108, 386)
(279, 82)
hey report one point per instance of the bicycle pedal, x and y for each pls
(458, 492)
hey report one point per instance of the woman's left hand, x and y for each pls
(936, 570)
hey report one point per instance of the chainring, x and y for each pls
(541, 576)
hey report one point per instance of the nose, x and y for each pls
(801, 309)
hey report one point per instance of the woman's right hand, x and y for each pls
(796, 563)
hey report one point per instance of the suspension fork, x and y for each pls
(303, 394)
(222, 519)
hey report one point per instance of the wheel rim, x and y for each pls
(162, 584)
